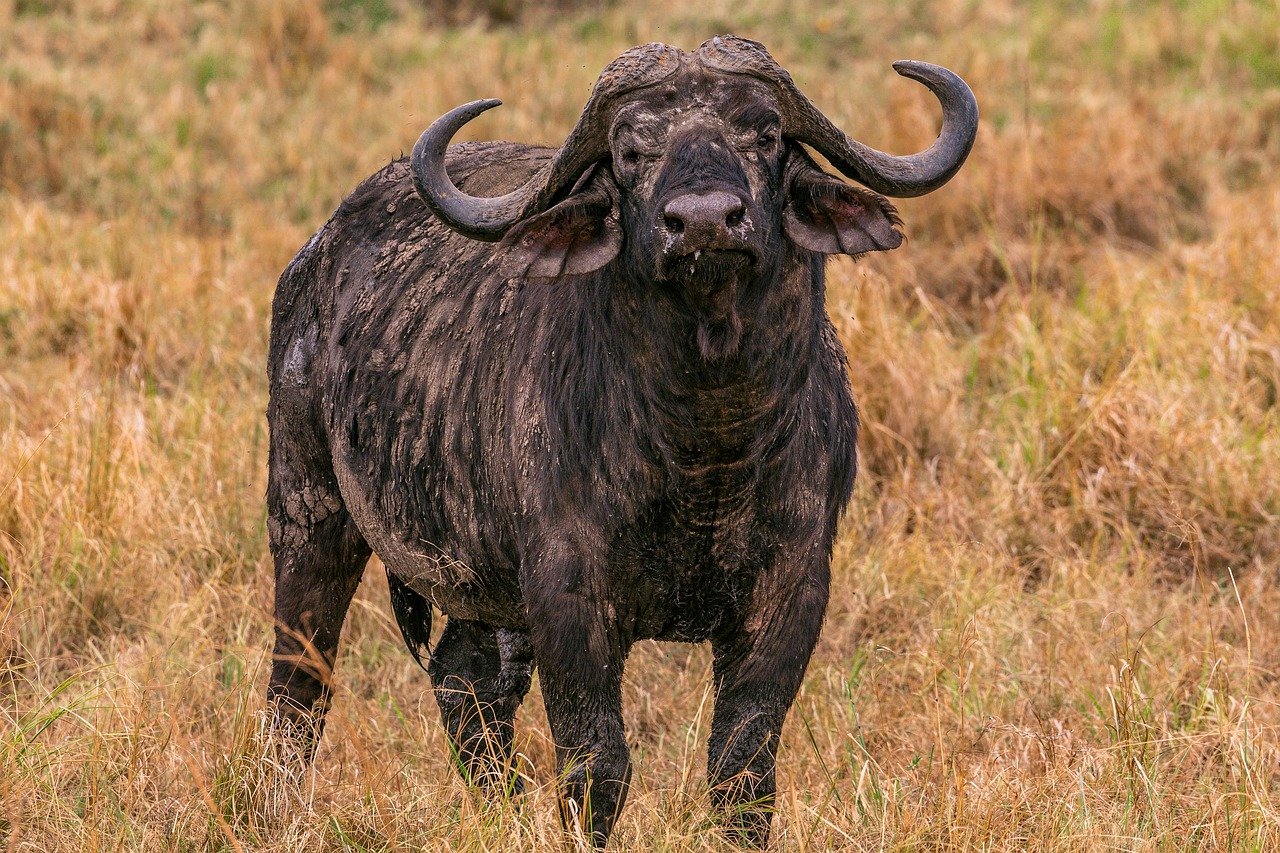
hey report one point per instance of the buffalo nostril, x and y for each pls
(703, 213)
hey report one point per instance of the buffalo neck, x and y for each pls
(722, 409)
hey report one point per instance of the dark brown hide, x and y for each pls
(629, 419)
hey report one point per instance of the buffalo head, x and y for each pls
(690, 166)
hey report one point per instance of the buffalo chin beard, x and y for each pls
(719, 337)
(711, 282)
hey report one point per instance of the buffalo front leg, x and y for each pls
(481, 675)
(319, 558)
(580, 655)
(758, 669)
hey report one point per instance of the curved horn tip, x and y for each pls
(940, 80)
(905, 66)
(483, 104)
(922, 71)
(441, 131)
(468, 111)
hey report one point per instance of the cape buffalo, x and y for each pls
(578, 397)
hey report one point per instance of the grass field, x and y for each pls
(1055, 620)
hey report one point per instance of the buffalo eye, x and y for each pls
(628, 157)
(628, 165)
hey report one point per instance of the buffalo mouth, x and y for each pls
(708, 265)
(710, 283)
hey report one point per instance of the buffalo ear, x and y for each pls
(824, 214)
(579, 235)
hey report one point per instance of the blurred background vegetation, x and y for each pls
(1056, 614)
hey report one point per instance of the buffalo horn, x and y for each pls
(901, 177)
(490, 218)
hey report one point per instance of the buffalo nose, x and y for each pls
(705, 213)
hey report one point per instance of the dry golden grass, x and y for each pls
(1056, 614)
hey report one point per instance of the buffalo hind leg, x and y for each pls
(480, 676)
(757, 675)
(319, 558)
